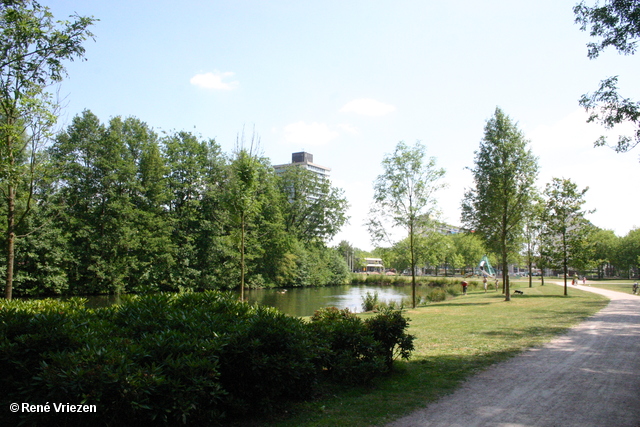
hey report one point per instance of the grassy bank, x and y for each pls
(455, 339)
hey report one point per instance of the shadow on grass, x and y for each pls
(449, 304)
(531, 331)
(525, 295)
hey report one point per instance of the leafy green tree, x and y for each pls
(118, 227)
(196, 175)
(404, 197)
(531, 233)
(470, 248)
(605, 244)
(33, 48)
(504, 175)
(566, 227)
(616, 23)
(629, 252)
(313, 209)
(243, 203)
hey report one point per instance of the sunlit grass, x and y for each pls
(454, 339)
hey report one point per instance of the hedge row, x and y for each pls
(192, 358)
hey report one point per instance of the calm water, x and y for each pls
(304, 301)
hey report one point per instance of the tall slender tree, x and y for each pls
(404, 197)
(504, 175)
(566, 225)
(33, 48)
(243, 200)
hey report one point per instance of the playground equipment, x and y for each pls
(485, 268)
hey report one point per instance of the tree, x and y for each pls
(605, 248)
(111, 180)
(404, 197)
(617, 23)
(196, 181)
(566, 226)
(314, 211)
(243, 203)
(470, 248)
(629, 252)
(32, 50)
(504, 175)
(532, 230)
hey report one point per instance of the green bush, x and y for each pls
(370, 301)
(349, 352)
(389, 330)
(269, 358)
(437, 294)
(189, 358)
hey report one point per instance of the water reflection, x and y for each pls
(300, 301)
(305, 301)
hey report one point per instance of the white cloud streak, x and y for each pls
(214, 81)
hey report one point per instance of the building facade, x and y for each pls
(304, 160)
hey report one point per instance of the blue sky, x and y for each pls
(346, 80)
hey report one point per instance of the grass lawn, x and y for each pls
(454, 339)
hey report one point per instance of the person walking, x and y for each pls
(484, 282)
(464, 287)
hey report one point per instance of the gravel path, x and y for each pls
(588, 377)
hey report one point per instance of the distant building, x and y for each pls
(304, 160)
(373, 265)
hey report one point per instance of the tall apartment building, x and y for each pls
(304, 160)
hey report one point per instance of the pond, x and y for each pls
(303, 301)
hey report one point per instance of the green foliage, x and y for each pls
(504, 176)
(313, 210)
(566, 236)
(404, 197)
(351, 354)
(191, 358)
(617, 24)
(355, 351)
(370, 301)
(33, 49)
(389, 330)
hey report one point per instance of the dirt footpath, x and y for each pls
(587, 377)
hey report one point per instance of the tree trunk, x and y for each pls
(564, 261)
(242, 257)
(413, 267)
(11, 239)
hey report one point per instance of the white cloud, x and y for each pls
(349, 129)
(312, 134)
(367, 107)
(214, 81)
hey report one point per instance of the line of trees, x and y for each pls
(119, 209)
(504, 211)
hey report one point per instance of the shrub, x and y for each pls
(349, 352)
(370, 301)
(190, 358)
(437, 294)
(268, 358)
(389, 330)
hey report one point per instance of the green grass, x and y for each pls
(455, 339)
